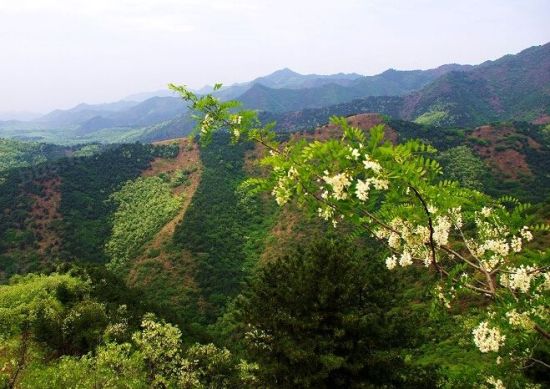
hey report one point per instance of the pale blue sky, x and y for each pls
(58, 53)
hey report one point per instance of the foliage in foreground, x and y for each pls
(321, 316)
(55, 335)
(476, 247)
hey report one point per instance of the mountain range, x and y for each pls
(514, 86)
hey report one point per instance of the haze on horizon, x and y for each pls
(59, 53)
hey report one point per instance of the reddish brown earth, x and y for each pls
(510, 162)
(544, 119)
(44, 211)
(284, 233)
(364, 121)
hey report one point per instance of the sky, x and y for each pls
(58, 53)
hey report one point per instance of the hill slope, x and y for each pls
(512, 87)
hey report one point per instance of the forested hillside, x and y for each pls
(331, 232)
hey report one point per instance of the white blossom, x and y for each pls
(325, 213)
(499, 246)
(394, 240)
(339, 183)
(355, 154)
(406, 259)
(441, 230)
(362, 190)
(423, 233)
(487, 338)
(379, 183)
(391, 262)
(486, 211)
(526, 234)
(381, 233)
(236, 119)
(292, 172)
(491, 263)
(520, 320)
(515, 244)
(372, 165)
(282, 192)
(546, 281)
(456, 216)
(497, 383)
(206, 123)
(520, 278)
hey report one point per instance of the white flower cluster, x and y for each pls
(516, 244)
(325, 213)
(339, 183)
(495, 243)
(281, 191)
(545, 281)
(362, 187)
(404, 260)
(490, 264)
(236, 119)
(520, 320)
(441, 228)
(354, 154)
(487, 338)
(404, 237)
(497, 246)
(371, 164)
(519, 278)
(442, 297)
(206, 123)
(391, 262)
(455, 214)
(497, 383)
(485, 211)
(524, 277)
(526, 234)
(293, 173)
(362, 190)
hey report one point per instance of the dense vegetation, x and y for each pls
(143, 207)
(119, 272)
(313, 314)
(16, 154)
(84, 220)
(478, 246)
(222, 229)
(85, 190)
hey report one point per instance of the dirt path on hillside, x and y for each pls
(188, 158)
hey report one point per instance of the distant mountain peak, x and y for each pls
(285, 72)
